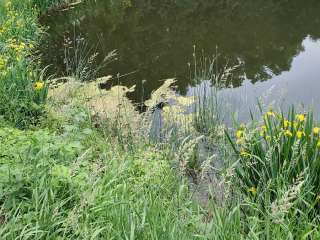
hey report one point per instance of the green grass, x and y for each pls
(76, 184)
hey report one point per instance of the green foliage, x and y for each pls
(277, 170)
(75, 184)
(22, 89)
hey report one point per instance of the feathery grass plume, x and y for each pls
(281, 206)
(187, 155)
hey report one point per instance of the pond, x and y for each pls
(276, 44)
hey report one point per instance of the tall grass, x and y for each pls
(80, 185)
(209, 76)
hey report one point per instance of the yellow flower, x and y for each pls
(287, 133)
(300, 134)
(38, 86)
(270, 114)
(318, 144)
(253, 191)
(240, 134)
(286, 124)
(316, 131)
(301, 117)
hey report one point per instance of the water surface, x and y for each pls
(276, 42)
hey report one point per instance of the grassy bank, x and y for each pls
(63, 178)
(77, 162)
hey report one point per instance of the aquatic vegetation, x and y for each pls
(280, 153)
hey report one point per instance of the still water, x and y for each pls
(277, 44)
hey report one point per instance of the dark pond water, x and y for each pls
(277, 43)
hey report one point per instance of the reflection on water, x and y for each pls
(299, 86)
(274, 41)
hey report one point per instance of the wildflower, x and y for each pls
(287, 133)
(316, 131)
(301, 117)
(318, 144)
(38, 86)
(240, 134)
(286, 124)
(300, 134)
(270, 114)
(253, 191)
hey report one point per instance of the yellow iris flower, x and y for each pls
(316, 131)
(300, 134)
(240, 134)
(301, 117)
(270, 114)
(286, 124)
(38, 86)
